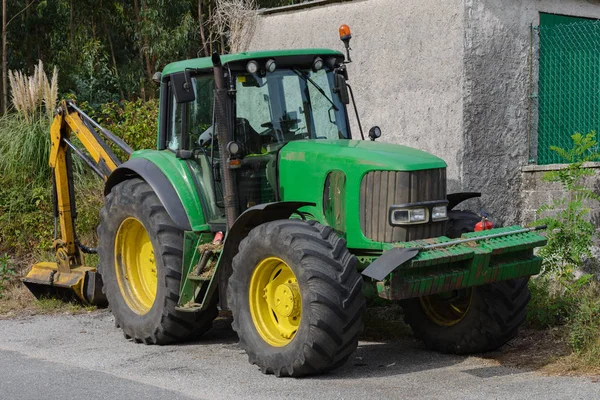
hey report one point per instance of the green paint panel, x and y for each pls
(178, 173)
(206, 62)
(334, 198)
(569, 78)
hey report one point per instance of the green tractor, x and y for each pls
(257, 146)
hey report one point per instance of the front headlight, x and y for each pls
(418, 213)
(401, 216)
(439, 213)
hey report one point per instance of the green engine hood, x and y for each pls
(349, 153)
(304, 166)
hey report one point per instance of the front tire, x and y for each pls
(141, 256)
(296, 298)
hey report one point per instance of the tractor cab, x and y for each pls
(273, 98)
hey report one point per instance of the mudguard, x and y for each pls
(455, 199)
(163, 188)
(250, 219)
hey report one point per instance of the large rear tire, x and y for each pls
(296, 298)
(141, 256)
(472, 320)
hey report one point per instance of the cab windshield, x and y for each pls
(288, 104)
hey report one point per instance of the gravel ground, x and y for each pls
(84, 356)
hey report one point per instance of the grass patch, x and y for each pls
(53, 306)
(25, 148)
(19, 302)
(562, 334)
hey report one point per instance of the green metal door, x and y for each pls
(569, 82)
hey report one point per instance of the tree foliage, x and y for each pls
(107, 50)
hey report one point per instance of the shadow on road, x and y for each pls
(399, 356)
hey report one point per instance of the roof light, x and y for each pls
(252, 67)
(317, 64)
(270, 65)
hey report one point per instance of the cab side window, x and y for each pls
(193, 118)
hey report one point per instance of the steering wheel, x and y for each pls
(285, 124)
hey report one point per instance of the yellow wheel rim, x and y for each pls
(448, 309)
(135, 266)
(275, 301)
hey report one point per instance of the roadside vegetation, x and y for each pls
(26, 216)
(566, 295)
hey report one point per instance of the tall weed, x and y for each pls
(570, 233)
(24, 149)
(25, 135)
(34, 96)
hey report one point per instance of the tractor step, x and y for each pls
(199, 278)
(200, 285)
(201, 254)
(190, 307)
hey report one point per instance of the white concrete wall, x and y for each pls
(407, 66)
(449, 77)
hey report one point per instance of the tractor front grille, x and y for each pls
(381, 189)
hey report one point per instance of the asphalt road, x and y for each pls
(85, 356)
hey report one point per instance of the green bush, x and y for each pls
(549, 307)
(6, 272)
(557, 297)
(26, 215)
(570, 235)
(584, 321)
(574, 306)
(136, 122)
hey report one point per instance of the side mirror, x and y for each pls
(341, 88)
(157, 77)
(374, 133)
(182, 84)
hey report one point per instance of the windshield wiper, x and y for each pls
(319, 88)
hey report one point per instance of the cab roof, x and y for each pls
(206, 62)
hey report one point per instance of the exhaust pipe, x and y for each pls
(224, 135)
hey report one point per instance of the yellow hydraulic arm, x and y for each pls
(69, 275)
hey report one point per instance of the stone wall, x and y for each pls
(535, 192)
